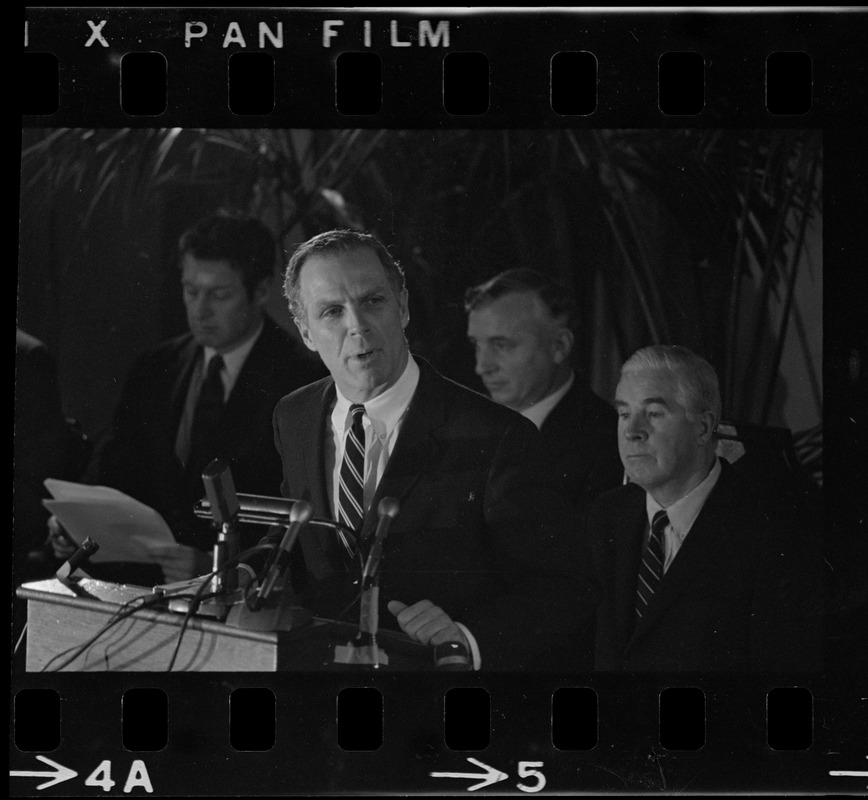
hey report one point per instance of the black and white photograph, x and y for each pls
(391, 422)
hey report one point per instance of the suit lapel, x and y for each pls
(569, 408)
(312, 448)
(322, 551)
(563, 415)
(416, 444)
(187, 358)
(249, 387)
(707, 536)
(629, 543)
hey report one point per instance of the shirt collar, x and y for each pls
(538, 412)
(387, 408)
(684, 511)
(233, 360)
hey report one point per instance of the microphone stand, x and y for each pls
(363, 649)
(369, 620)
(224, 507)
(272, 607)
(66, 572)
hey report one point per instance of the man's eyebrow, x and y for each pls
(322, 302)
(647, 401)
(212, 286)
(496, 338)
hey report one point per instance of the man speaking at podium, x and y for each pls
(483, 552)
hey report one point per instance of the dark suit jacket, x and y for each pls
(580, 442)
(139, 457)
(41, 442)
(740, 595)
(480, 533)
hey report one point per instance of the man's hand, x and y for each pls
(180, 563)
(427, 623)
(58, 539)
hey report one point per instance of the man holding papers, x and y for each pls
(207, 394)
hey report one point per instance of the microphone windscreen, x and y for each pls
(220, 491)
(388, 507)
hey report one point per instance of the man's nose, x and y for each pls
(357, 321)
(484, 362)
(634, 429)
(201, 307)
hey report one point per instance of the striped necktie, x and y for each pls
(651, 570)
(351, 488)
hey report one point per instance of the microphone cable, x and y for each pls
(200, 595)
(124, 611)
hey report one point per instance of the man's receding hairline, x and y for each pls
(361, 247)
(681, 393)
(549, 318)
(386, 283)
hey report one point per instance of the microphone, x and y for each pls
(388, 509)
(258, 509)
(369, 618)
(298, 517)
(224, 506)
(85, 551)
(253, 508)
(220, 491)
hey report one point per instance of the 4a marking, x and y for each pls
(101, 777)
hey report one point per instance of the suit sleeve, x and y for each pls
(540, 619)
(786, 621)
(119, 462)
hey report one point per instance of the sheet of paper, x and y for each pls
(124, 528)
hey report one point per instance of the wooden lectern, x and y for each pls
(63, 616)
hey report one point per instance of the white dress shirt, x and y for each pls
(682, 514)
(538, 412)
(382, 421)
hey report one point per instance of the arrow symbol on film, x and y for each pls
(59, 773)
(491, 775)
(840, 773)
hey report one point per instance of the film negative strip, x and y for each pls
(407, 121)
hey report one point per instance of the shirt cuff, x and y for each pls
(474, 648)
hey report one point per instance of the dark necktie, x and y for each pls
(209, 408)
(351, 487)
(651, 570)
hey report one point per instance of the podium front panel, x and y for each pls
(75, 628)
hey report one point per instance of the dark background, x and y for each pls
(651, 230)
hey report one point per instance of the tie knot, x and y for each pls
(215, 365)
(660, 521)
(357, 410)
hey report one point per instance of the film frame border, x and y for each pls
(839, 109)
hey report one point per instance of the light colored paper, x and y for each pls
(124, 528)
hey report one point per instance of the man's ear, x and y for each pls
(707, 424)
(404, 303)
(305, 333)
(562, 345)
(261, 292)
